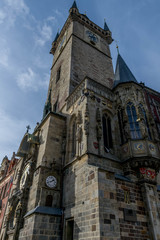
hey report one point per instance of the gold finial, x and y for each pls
(85, 13)
(117, 46)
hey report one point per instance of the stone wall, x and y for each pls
(132, 212)
(41, 227)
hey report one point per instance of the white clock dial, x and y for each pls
(93, 38)
(51, 181)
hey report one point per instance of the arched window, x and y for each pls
(107, 132)
(133, 123)
(49, 200)
(73, 130)
(143, 114)
(121, 124)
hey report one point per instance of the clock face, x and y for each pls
(24, 175)
(51, 181)
(92, 36)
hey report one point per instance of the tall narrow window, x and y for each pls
(121, 125)
(73, 139)
(107, 133)
(58, 74)
(143, 113)
(70, 229)
(55, 106)
(49, 200)
(133, 123)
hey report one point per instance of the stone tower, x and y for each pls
(90, 168)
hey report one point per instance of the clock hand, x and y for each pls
(51, 181)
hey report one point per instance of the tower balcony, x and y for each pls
(140, 149)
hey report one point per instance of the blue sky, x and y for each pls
(28, 28)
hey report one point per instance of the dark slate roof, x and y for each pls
(45, 210)
(123, 73)
(74, 5)
(121, 177)
(106, 28)
(56, 37)
(84, 15)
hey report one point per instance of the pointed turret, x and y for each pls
(74, 8)
(52, 51)
(74, 5)
(48, 105)
(106, 28)
(123, 73)
(56, 37)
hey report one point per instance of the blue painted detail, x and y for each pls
(123, 73)
(118, 176)
(158, 188)
(45, 210)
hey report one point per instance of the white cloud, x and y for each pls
(11, 10)
(2, 16)
(51, 19)
(4, 57)
(11, 133)
(30, 80)
(17, 6)
(44, 35)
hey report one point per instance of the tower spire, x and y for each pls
(106, 28)
(74, 5)
(123, 73)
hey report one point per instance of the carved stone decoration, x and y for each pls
(79, 118)
(99, 130)
(98, 115)
(143, 128)
(140, 114)
(98, 125)
(146, 163)
(79, 134)
(127, 133)
(86, 120)
(155, 132)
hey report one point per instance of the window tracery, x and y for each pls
(133, 123)
(107, 132)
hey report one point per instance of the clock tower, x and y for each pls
(81, 49)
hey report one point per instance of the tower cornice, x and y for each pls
(84, 20)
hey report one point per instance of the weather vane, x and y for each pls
(28, 128)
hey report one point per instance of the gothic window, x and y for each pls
(73, 153)
(49, 200)
(107, 132)
(58, 74)
(133, 123)
(121, 125)
(143, 113)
